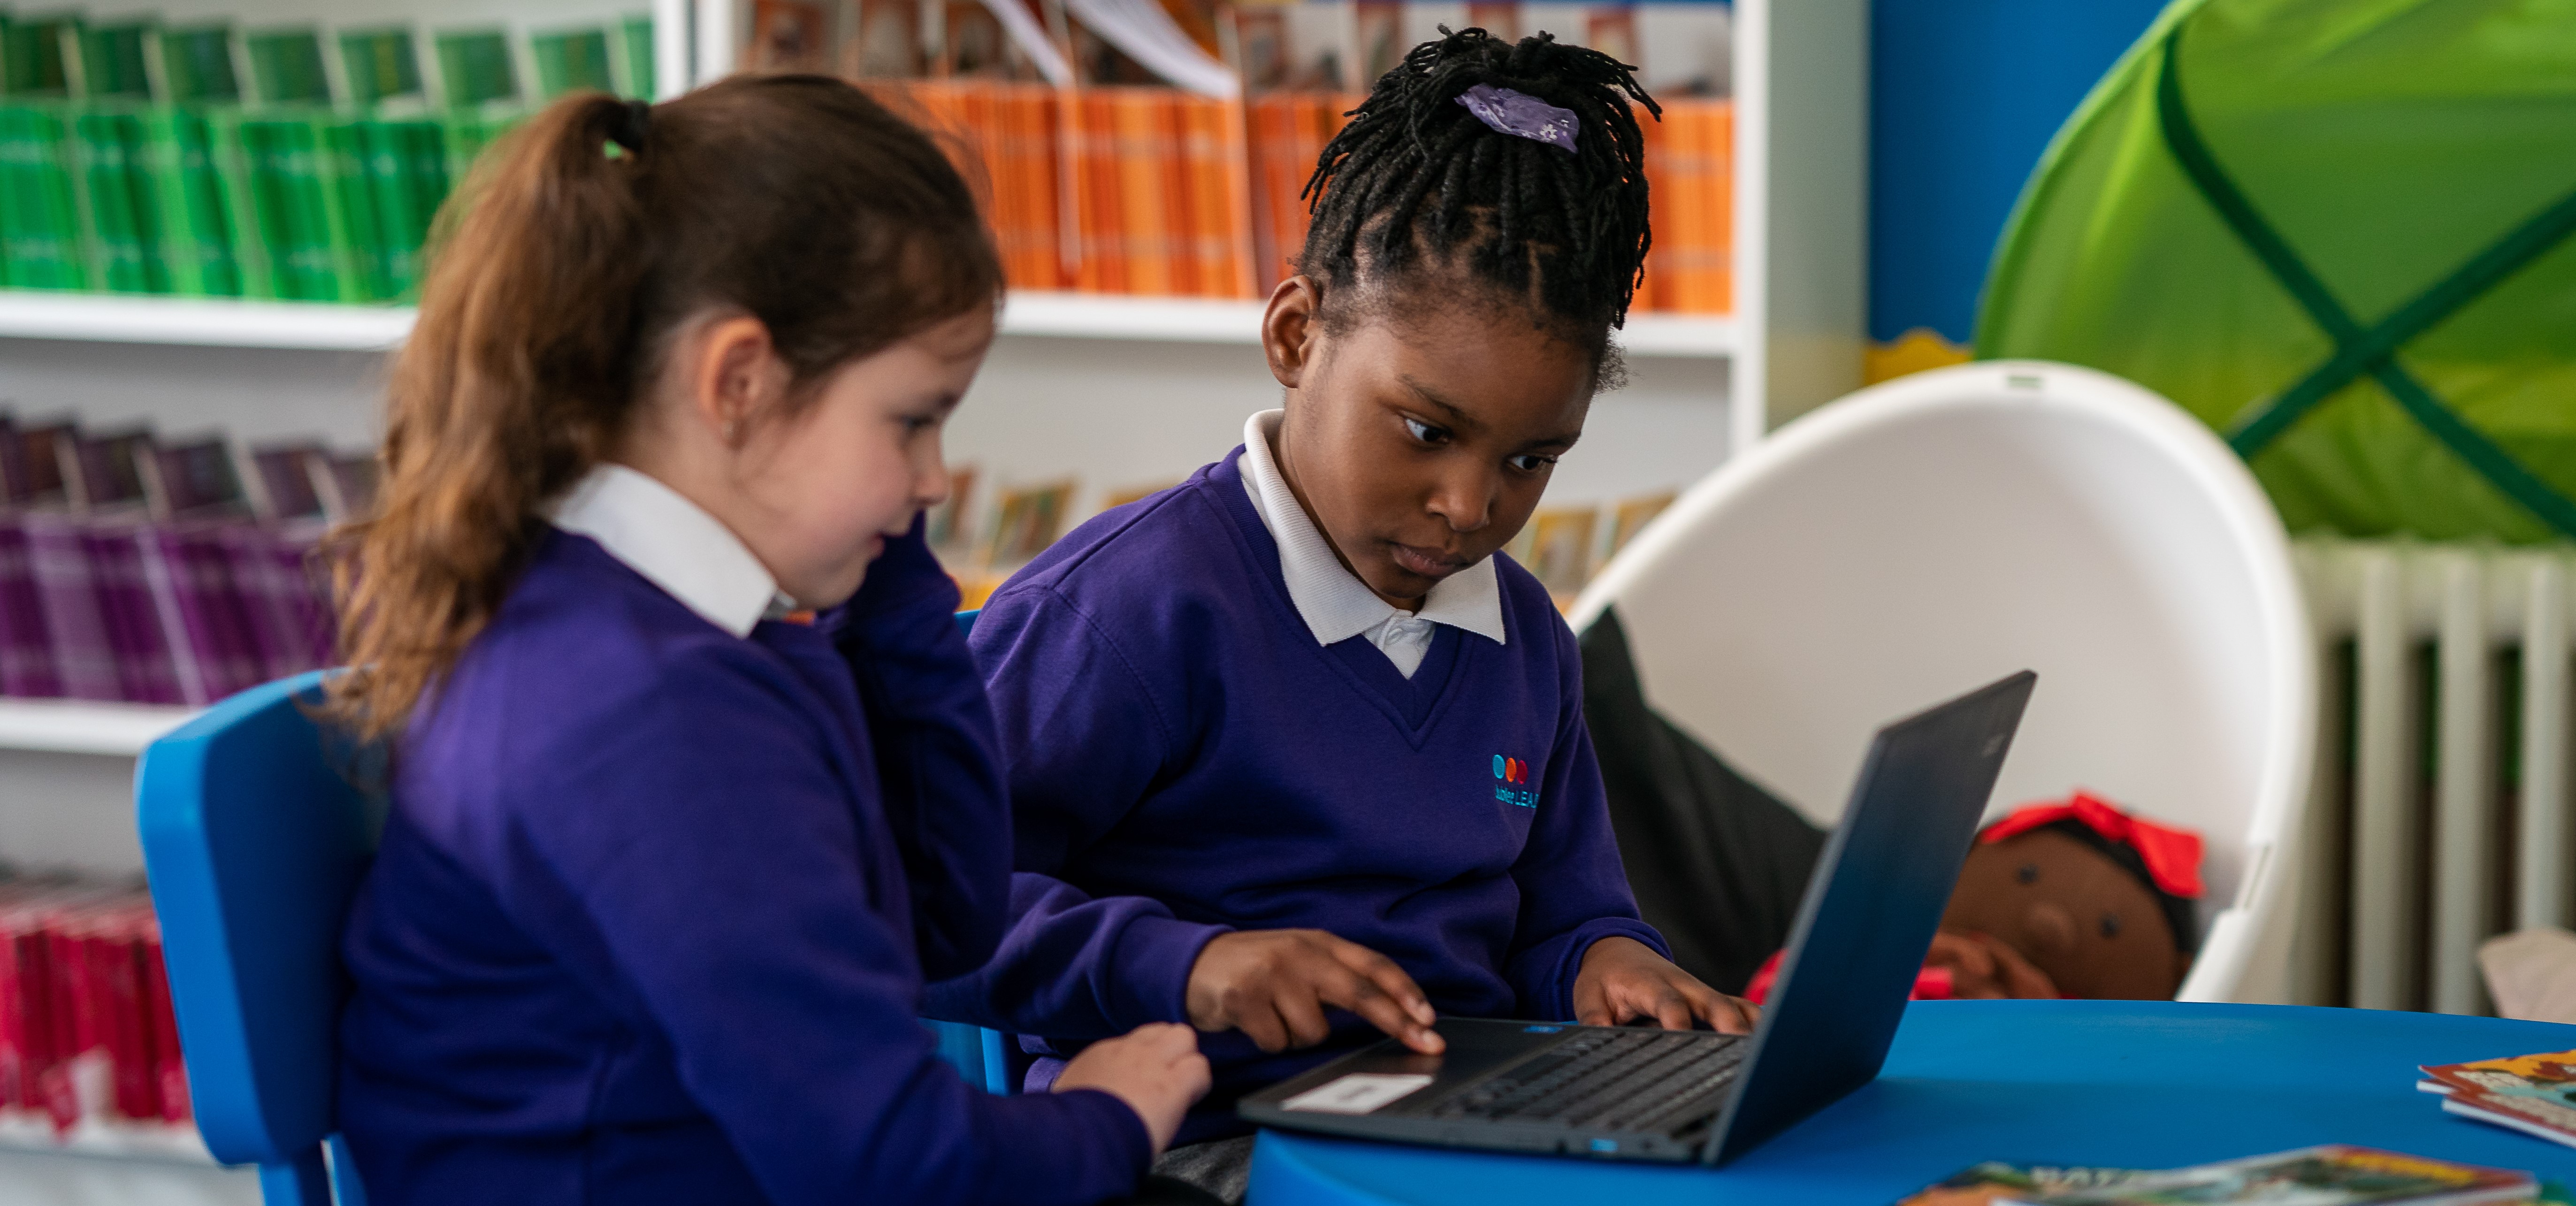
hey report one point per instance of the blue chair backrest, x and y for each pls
(254, 840)
(980, 1055)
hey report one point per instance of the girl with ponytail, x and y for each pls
(693, 782)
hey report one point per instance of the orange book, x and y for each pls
(1717, 146)
(1214, 156)
(1032, 247)
(1272, 117)
(1100, 255)
(1691, 183)
(1673, 206)
(1145, 161)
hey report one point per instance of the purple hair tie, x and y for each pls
(1521, 115)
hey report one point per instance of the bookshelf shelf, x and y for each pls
(120, 1141)
(201, 322)
(310, 326)
(77, 726)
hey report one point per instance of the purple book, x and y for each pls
(147, 661)
(284, 475)
(76, 624)
(287, 604)
(26, 652)
(199, 613)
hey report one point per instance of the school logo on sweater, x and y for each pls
(1514, 782)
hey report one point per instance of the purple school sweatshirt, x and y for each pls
(655, 904)
(1186, 760)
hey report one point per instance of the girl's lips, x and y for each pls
(1426, 562)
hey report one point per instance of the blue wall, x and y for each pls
(1964, 95)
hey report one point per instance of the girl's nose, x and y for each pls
(1465, 501)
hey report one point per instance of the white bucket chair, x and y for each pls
(1925, 536)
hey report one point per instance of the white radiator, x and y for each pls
(2440, 814)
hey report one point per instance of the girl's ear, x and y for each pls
(1289, 328)
(737, 375)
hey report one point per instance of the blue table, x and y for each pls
(2121, 1083)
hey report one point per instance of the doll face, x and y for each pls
(2073, 913)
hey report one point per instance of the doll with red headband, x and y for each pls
(2070, 898)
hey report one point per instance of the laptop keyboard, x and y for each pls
(1605, 1080)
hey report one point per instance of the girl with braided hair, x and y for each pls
(1296, 754)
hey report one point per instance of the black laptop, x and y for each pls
(1627, 1093)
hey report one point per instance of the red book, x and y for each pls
(171, 1072)
(114, 947)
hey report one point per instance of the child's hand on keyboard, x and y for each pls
(1274, 985)
(1624, 980)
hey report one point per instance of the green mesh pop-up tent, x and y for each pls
(2337, 231)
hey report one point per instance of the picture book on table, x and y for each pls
(2330, 1175)
(2534, 1094)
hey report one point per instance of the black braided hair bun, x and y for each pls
(1417, 190)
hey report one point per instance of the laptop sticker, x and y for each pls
(1357, 1093)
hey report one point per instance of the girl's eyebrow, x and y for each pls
(1457, 415)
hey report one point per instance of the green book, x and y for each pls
(361, 255)
(31, 56)
(570, 60)
(464, 134)
(280, 164)
(39, 220)
(635, 57)
(192, 64)
(195, 243)
(109, 64)
(399, 153)
(286, 67)
(114, 200)
(234, 144)
(382, 65)
(475, 69)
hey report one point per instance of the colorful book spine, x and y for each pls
(1690, 178)
(39, 218)
(114, 198)
(233, 147)
(82, 648)
(194, 241)
(362, 256)
(147, 669)
(1031, 185)
(1154, 201)
(26, 648)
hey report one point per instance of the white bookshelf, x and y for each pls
(315, 327)
(77, 726)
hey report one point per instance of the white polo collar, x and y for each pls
(1332, 600)
(675, 544)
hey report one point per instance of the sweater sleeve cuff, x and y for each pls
(1569, 960)
(1155, 955)
(1132, 1146)
(1065, 1149)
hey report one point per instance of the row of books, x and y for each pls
(1561, 546)
(163, 573)
(1142, 190)
(86, 1031)
(133, 159)
(1564, 546)
(1164, 149)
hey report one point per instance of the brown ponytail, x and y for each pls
(557, 275)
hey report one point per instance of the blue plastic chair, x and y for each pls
(981, 1055)
(253, 842)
